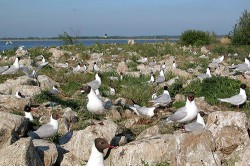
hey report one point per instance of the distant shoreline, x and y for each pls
(86, 39)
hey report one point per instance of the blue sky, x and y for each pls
(48, 18)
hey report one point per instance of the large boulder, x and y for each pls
(56, 53)
(9, 103)
(79, 143)
(21, 153)
(180, 149)
(69, 117)
(229, 130)
(7, 86)
(46, 83)
(27, 90)
(240, 156)
(47, 151)
(11, 127)
(149, 132)
(122, 67)
(204, 50)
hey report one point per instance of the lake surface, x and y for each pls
(85, 42)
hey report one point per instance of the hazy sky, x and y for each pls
(48, 18)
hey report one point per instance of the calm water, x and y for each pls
(86, 42)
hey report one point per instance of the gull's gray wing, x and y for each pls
(45, 131)
(94, 84)
(163, 98)
(4, 68)
(41, 66)
(194, 126)
(178, 115)
(143, 110)
(11, 70)
(235, 100)
(26, 71)
(242, 68)
(160, 79)
(203, 76)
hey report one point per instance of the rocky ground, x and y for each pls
(224, 141)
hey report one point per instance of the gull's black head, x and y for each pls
(165, 87)
(101, 144)
(86, 88)
(27, 108)
(243, 86)
(191, 96)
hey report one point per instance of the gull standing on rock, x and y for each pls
(186, 113)
(163, 100)
(47, 130)
(218, 60)
(27, 113)
(142, 60)
(174, 65)
(96, 157)
(14, 68)
(199, 124)
(147, 111)
(96, 68)
(152, 78)
(95, 105)
(206, 75)
(19, 95)
(160, 78)
(163, 66)
(238, 99)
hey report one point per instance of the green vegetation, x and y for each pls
(195, 37)
(240, 35)
(66, 38)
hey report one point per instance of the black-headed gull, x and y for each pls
(19, 95)
(147, 111)
(198, 125)
(160, 78)
(206, 75)
(186, 113)
(238, 99)
(152, 78)
(95, 84)
(27, 113)
(96, 68)
(163, 100)
(174, 65)
(163, 66)
(95, 104)
(54, 90)
(33, 73)
(246, 64)
(14, 68)
(142, 60)
(47, 130)
(96, 157)
(218, 60)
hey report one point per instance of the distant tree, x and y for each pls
(66, 38)
(240, 35)
(195, 37)
(70, 39)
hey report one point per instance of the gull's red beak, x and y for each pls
(111, 147)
